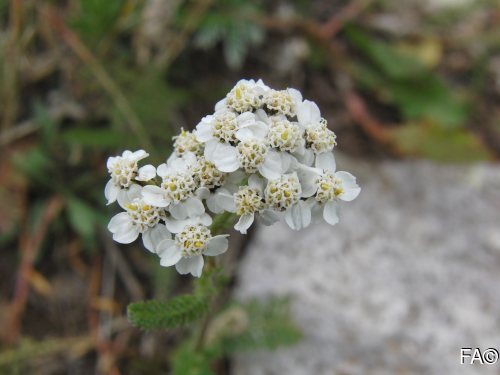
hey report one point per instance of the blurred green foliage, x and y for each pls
(230, 22)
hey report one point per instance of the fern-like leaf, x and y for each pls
(179, 311)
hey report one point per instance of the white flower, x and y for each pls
(249, 201)
(285, 135)
(187, 142)
(222, 199)
(328, 188)
(247, 95)
(317, 135)
(186, 250)
(284, 194)
(208, 175)
(178, 188)
(283, 101)
(123, 171)
(139, 217)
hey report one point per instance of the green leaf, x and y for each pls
(268, 326)
(401, 80)
(35, 164)
(393, 63)
(179, 311)
(82, 217)
(94, 138)
(187, 361)
(433, 142)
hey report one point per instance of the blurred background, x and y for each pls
(81, 80)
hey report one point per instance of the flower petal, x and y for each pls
(126, 234)
(269, 217)
(224, 156)
(331, 212)
(255, 182)
(154, 195)
(350, 188)
(170, 254)
(179, 210)
(298, 216)
(308, 113)
(217, 245)
(193, 265)
(174, 225)
(203, 130)
(326, 161)
(153, 236)
(118, 221)
(111, 191)
(307, 177)
(244, 223)
(146, 173)
(271, 168)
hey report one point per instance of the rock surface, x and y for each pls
(409, 276)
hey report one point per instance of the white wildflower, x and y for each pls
(247, 95)
(139, 217)
(189, 245)
(283, 101)
(123, 170)
(249, 201)
(186, 142)
(177, 190)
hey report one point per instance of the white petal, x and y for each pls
(307, 178)
(235, 177)
(153, 236)
(174, 225)
(307, 158)
(245, 119)
(269, 217)
(194, 207)
(111, 191)
(326, 161)
(244, 223)
(110, 162)
(202, 192)
(138, 155)
(203, 130)
(205, 219)
(349, 185)
(271, 168)
(154, 195)
(217, 245)
(170, 254)
(126, 196)
(118, 221)
(331, 212)
(256, 130)
(127, 234)
(298, 216)
(193, 265)
(178, 211)
(296, 95)
(221, 200)
(255, 182)
(220, 105)
(146, 173)
(261, 115)
(308, 113)
(163, 170)
(225, 157)
(316, 210)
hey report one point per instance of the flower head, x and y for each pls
(189, 245)
(186, 142)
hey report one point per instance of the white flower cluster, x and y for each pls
(263, 153)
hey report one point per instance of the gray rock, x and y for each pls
(409, 276)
